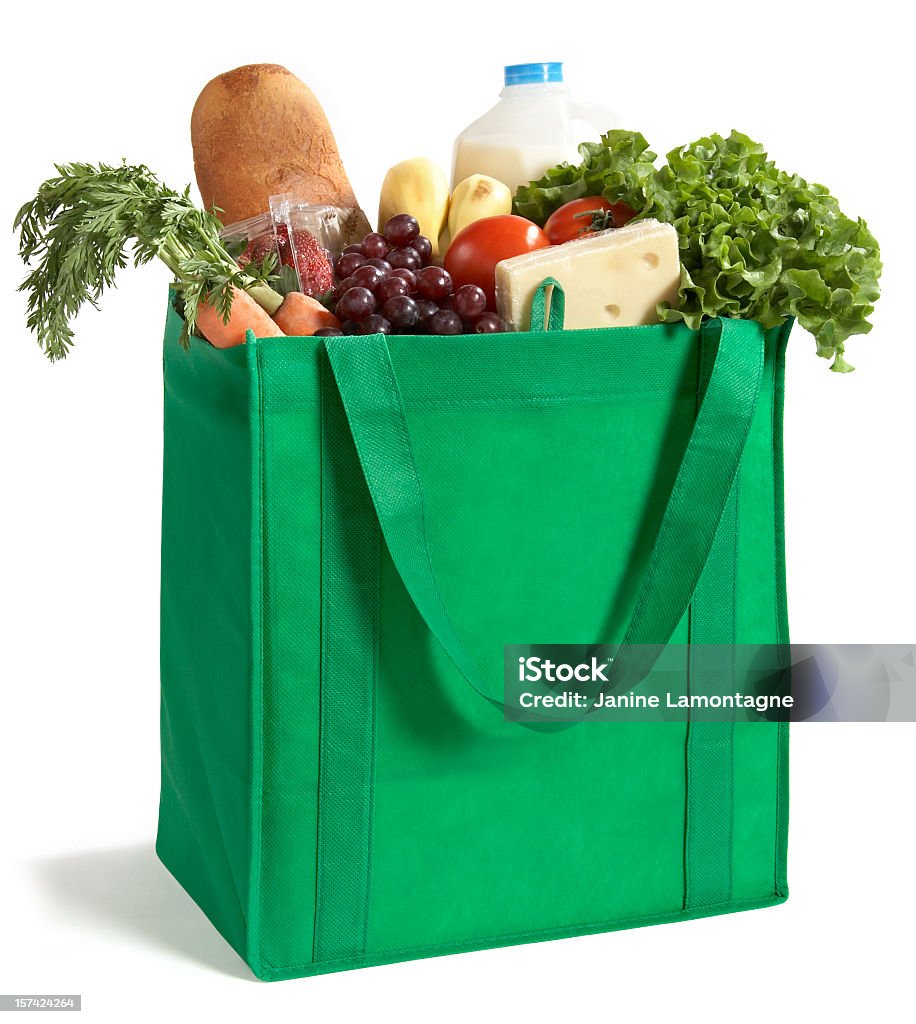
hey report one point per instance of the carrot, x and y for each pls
(301, 315)
(246, 315)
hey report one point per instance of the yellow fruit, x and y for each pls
(418, 187)
(476, 197)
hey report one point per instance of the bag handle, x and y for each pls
(557, 306)
(374, 408)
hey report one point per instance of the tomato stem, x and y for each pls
(601, 220)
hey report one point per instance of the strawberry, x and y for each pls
(316, 274)
(257, 249)
(313, 263)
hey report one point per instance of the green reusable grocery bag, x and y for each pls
(354, 528)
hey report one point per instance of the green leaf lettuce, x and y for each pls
(755, 241)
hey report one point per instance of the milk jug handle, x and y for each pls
(601, 118)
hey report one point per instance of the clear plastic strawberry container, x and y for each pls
(305, 238)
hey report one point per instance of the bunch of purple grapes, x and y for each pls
(387, 285)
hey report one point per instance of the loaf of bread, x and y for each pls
(259, 131)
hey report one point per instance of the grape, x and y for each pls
(407, 259)
(489, 323)
(448, 302)
(408, 275)
(327, 332)
(446, 321)
(402, 311)
(375, 324)
(383, 265)
(374, 245)
(356, 303)
(391, 287)
(368, 277)
(401, 229)
(348, 263)
(434, 283)
(350, 327)
(426, 309)
(356, 247)
(423, 247)
(470, 301)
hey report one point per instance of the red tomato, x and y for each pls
(565, 224)
(476, 249)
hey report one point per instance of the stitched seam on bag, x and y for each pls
(702, 382)
(689, 681)
(688, 817)
(376, 555)
(777, 578)
(733, 498)
(566, 931)
(514, 401)
(374, 542)
(582, 398)
(779, 552)
(322, 670)
(734, 672)
(257, 735)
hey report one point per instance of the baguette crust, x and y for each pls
(258, 131)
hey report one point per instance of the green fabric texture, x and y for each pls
(353, 529)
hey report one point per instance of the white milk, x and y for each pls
(536, 124)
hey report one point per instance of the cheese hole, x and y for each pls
(651, 261)
(613, 311)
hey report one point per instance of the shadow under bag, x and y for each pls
(354, 528)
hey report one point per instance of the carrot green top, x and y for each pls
(77, 232)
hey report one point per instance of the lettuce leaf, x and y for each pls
(755, 242)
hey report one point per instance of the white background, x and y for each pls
(84, 905)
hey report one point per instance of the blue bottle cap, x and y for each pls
(525, 74)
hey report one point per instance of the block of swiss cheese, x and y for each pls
(612, 279)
